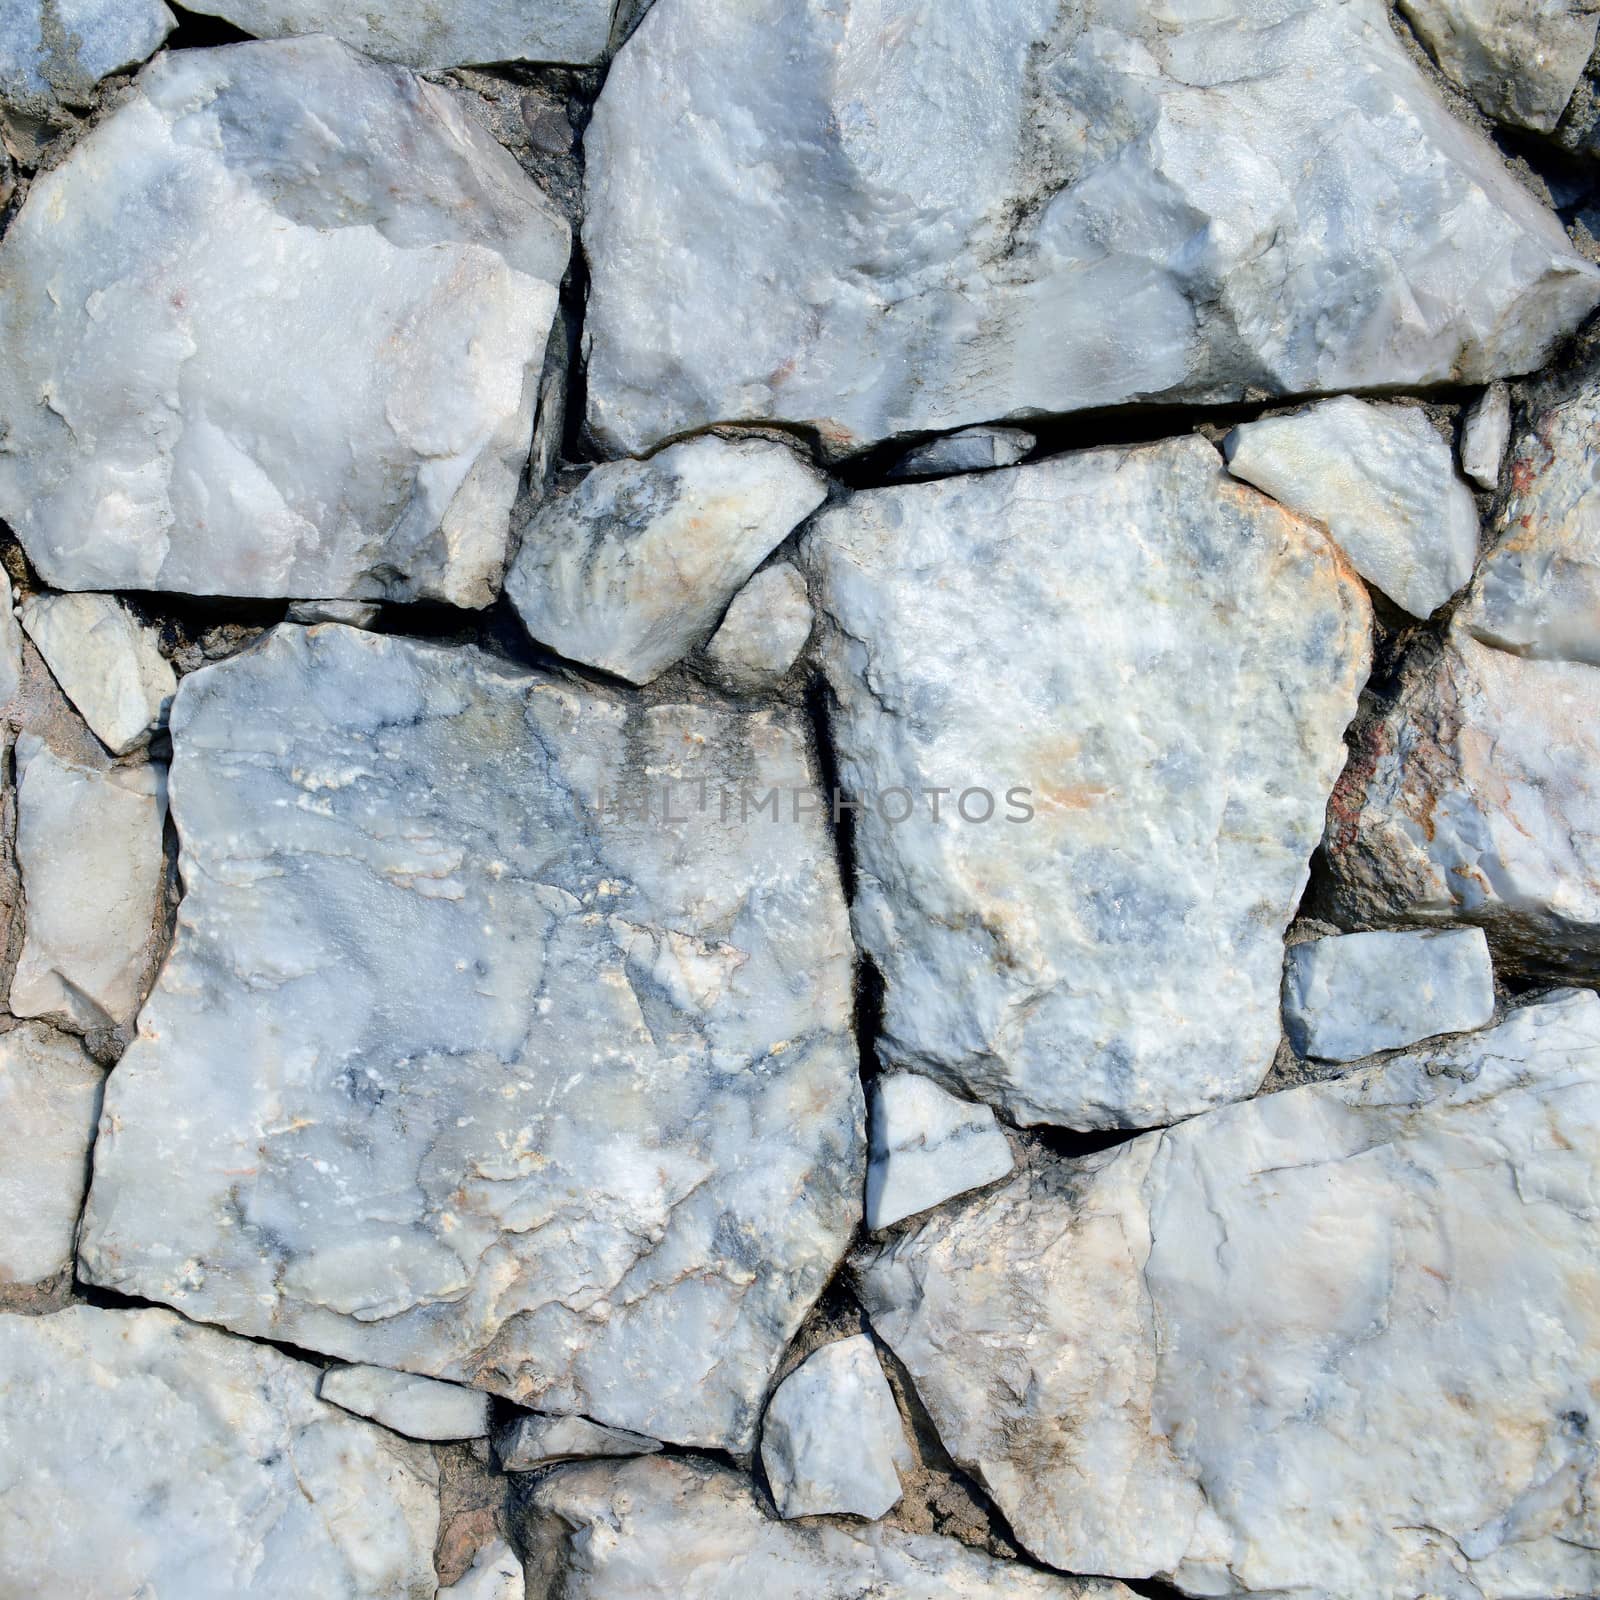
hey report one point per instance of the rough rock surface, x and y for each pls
(877, 220)
(690, 1530)
(205, 1466)
(1184, 684)
(1337, 1341)
(89, 849)
(106, 662)
(832, 1439)
(49, 1104)
(631, 570)
(1382, 481)
(495, 1574)
(763, 631)
(536, 1441)
(58, 50)
(968, 450)
(925, 1145)
(1355, 994)
(1484, 436)
(275, 328)
(353, 613)
(420, 1408)
(617, 1130)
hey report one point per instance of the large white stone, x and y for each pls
(536, 1441)
(632, 569)
(925, 1145)
(888, 217)
(420, 1408)
(558, 1101)
(49, 1104)
(90, 853)
(1382, 481)
(763, 630)
(1165, 661)
(143, 1456)
(1337, 1341)
(682, 1529)
(54, 50)
(275, 328)
(107, 664)
(1485, 433)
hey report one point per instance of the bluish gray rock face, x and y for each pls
(925, 1146)
(891, 218)
(58, 50)
(452, 1071)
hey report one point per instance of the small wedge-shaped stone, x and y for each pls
(969, 450)
(59, 50)
(925, 1145)
(532, 1442)
(882, 219)
(420, 1408)
(1382, 481)
(107, 664)
(495, 1574)
(691, 1530)
(1337, 1341)
(1127, 676)
(550, 1097)
(275, 327)
(764, 630)
(142, 1455)
(631, 570)
(49, 1104)
(1484, 436)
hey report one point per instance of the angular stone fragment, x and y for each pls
(1336, 1341)
(1358, 993)
(275, 328)
(1382, 481)
(763, 631)
(10, 653)
(1520, 60)
(969, 450)
(925, 1146)
(107, 664)
(420, 1408)
(353, 613)
(59, 50)
(832, 1439)
(1484, 436)
(532, 1442)
(680, 1529)
(878, 221)
(90, 853)
(1137, 671)
(557, 1101)
(631, 570)
(495, 1574)
(1475, 798)
(49, 1104)
(142, 1455)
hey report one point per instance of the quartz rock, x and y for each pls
(142, 1455)
(1116, 645)
(1475, 798)
(832, 1439)
(58, 50)
(536, 1441)
(968, 450)
(90, 853)
(526, 1088)
(1520, 60)
(872, 222)
(631, 570)
(49, 1104)
(10, 654)
(1335, 1341)
(495, 1574)
(353, 613)
(429, 36)
(925, 1146)
(1484, 436)
(1382, 481)
(275, 327)
(107, 664)
(680, 1529)
(420, 1408)
(763, 631)
(1358, 993)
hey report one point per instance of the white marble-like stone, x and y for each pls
(763, 630)
(1337, 1341)
(925, 1145)
(10, 654)
(685, 1529)
(967, 450)
(141, 1455)
(108, 664)
(832, 1440)
(420, 1408)
(352, 613)
(90, 854)
(879, 220)
(631, 570)
(1147, 667)
(275, 327)
(1357, 993)
(49, 1104)
(1382, 481)
(537, 1441)
(1485, 433)
(495, 1574)
(59, 50)
(526, 1089)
